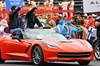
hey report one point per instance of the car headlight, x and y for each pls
(88, 44)
(49, 45)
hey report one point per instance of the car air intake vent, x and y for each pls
(65, 41)
(73, 55)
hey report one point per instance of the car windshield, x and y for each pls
(43, 34)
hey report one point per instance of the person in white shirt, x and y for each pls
(49, 3)
(2, 4)
(33, 3)
(71, 7)
(3, 23)
(64, 5)
(43, 20)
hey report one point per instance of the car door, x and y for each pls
(14, 49)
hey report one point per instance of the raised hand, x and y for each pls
(23, 4)
(38, 3)
(58, 2)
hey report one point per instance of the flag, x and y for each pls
(58, 29)
(90, 31)
(1, 32)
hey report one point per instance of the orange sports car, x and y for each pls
(44, 45)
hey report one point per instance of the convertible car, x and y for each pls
(44, 45)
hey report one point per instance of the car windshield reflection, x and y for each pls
(43, 34)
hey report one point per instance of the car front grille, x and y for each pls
(73, 55)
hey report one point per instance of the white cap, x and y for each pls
(59, 15)
(85, 15)
(94, 15)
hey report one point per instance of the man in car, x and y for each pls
(15, 25)
(32, 19)
(97, 24)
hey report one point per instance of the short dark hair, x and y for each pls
(13, 8)
(64, 17)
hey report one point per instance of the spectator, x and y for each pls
(49, 3)
(15, 25)
(32, 19)
(79, 21)
(64, 5)
(3, 23)
(50, 22)
(90, 22)
(71, 7)
(33, 3)
(97, 24)
(22, 18)
(2, 4)
(94, 16)
(43, 20)
(85, 16)
(59, 18)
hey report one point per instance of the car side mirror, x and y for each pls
(16, 37)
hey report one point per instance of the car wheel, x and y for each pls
(83, 62)
(96, 51)
(37, 55)
(1, 61)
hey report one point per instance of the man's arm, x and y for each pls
(16, 11)
(38, 4)
(97, 23)
(38, 22)
(30, 12)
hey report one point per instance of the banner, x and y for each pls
(91, 6)
(10, 3)
(42, 11)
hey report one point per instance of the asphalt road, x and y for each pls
(26, 63)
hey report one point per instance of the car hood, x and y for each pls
(72, 44)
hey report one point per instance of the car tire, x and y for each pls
(37, 55)
(83, 62)
(96, 51)
(1, 61)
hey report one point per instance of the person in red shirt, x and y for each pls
(90, 21)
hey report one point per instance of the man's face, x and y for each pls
(66, 18)
(15, 8)
(90, 15)
(49, 16)
(34, 13)
(43, 17)
(98, 14)
(79, 15)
